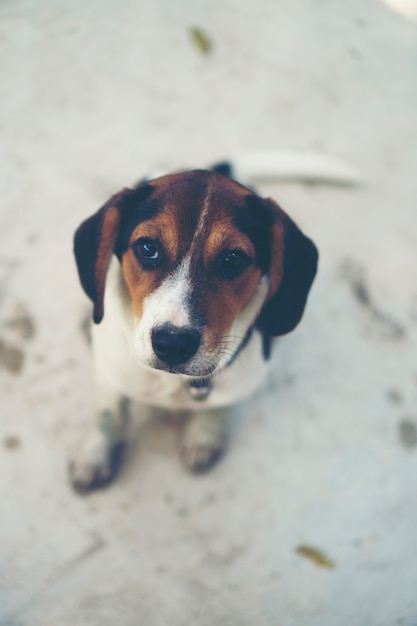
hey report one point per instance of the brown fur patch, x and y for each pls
(139, 282)
(222, 236)
(163, 228)
(223, 300)
(222, 311)
(277, 265)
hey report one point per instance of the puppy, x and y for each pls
(191, 275)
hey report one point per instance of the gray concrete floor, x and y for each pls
(93, 95)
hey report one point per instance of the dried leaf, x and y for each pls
(201, 40)
(316, 556)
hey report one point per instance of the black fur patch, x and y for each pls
(224, 168)
(137, 208)
(266, 347)
(87, 242)
(281, 314)
(255, 221)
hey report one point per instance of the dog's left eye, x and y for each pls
(147, 251)
(233, 263)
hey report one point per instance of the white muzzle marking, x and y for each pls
(169, 304)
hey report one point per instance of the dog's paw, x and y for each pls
(94, 467)
(199, 458)
(202, 445)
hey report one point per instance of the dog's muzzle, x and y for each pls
(173, 345)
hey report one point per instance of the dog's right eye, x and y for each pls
(148, 252)
(232, 263)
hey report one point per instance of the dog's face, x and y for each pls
(203, 259)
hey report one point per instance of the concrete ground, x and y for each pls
(311, 518)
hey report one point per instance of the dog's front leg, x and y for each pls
(99, 455)
(204, 439)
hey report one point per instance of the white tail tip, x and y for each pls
(288, 165)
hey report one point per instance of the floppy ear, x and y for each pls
(293, 268)
(94, 243)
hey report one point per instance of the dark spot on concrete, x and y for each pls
(354, 53)
(11, 442)
(7, 269)
(355, 276)
(407, 430)
(32, 238)
(361, 22)
(11, 357)
(394, 396)
(209, 499)
(413, 309)
(227, 556)
(360, 291)
(85, 328)
(97, 544)
(22, 323)
(393, 328)
(182, 512)
(288, 379)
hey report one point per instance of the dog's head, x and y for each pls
(203, 259)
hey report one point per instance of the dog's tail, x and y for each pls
(288, 166)
(253, 167)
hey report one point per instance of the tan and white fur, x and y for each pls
(191, 276)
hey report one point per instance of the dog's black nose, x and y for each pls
(175, 345)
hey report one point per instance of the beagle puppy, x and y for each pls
(191, 275)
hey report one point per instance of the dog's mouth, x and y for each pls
(184, 351)
(194, 371)
(199, 385)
